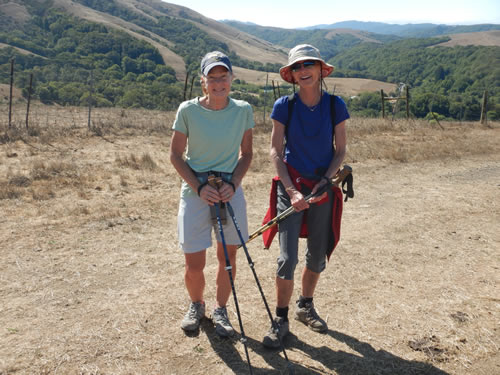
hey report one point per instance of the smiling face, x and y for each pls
(306, 74)
(217, 83)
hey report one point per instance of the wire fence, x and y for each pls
(72, 117)
(95, 117)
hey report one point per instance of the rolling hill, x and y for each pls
(124, 14)
(137, 17)
(479, 38)
(139, 53)
(420, 30)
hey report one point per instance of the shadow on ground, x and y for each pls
(366, 360)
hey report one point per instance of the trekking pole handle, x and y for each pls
(212, 181)
(339, 177)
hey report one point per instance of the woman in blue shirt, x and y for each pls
(307, 150)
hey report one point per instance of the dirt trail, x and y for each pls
(91, 280)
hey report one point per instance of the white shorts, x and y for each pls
(194, 223)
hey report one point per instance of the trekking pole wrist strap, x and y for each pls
(232, 185)
(201, 187)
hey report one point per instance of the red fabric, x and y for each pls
(337, 206)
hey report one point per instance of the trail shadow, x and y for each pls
(366, 360)
(228, 350)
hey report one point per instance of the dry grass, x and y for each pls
(481, 38)
(415, 140)
(92, 280)
(145, 162)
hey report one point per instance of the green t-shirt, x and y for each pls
(213, 137)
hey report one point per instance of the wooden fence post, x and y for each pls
(383, 104)
(90, 97)
(265, 98)
(10, 95)
(29, 99)
(435, 118)
(185, 85)
(484, 115)
(407, 102)
(191, 90)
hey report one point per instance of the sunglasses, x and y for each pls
(306, 64)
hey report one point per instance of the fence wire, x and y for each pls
(52, 116)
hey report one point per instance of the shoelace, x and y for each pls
(221, 316)
(194, 310)
(311, 312)
(276, 327)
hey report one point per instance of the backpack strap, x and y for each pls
(291, 103)
(332, 116)
(332, 109)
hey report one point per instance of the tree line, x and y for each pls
(128, 72)
(450, 81)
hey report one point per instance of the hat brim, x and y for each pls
(208, 68)
(286, 71)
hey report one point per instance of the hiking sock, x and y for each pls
(282, 312)
(304, 300)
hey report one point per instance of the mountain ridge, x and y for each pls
(140, 53)
(406, 30)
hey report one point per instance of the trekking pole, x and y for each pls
(252, 267)
(339, 177)
(211, 181)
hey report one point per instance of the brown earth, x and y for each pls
(91, 279)
(5, 94)
(482, 38)
(21, 50)
(17, 11)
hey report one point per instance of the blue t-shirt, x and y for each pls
(309, 144)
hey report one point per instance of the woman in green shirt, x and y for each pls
(215, 133)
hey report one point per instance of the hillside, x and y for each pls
(139, 53)
(481, 38)
(163, 45)
(245, 46)
(330, 42)
(128, 15)
(419, 30)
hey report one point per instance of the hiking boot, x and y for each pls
(273, 338)
(195, 313)
(310, 317)
(223, 326)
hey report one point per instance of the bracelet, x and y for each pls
(290, 188)
(232, 185)
(328, 181)
(201, 187)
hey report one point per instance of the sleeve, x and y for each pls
(341, 112)
(180, 123)
(250, 123)
(280, 110)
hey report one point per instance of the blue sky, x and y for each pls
(300, 13)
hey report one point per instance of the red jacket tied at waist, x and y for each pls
(298, 180)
